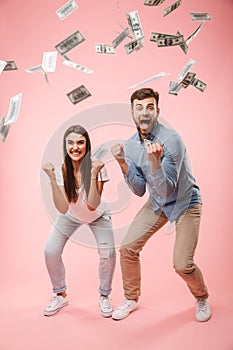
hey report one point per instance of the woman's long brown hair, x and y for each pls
(70, 184)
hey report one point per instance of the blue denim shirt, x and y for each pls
(171, 188)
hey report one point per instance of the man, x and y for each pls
(155, 156)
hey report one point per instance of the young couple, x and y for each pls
(154, 158)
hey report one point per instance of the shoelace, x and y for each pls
(202, 306)
(105, 303)
(126, 304)
(54, 300)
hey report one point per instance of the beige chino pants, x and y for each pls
(144, 225)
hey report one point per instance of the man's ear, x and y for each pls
(158, 110)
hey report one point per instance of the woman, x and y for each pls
(77, 187)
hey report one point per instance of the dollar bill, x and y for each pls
(155, 36)
(120, 37)
(10, 65)
(189, 65)
(198, 84)
(174, 88)
(70, 42)
(154, 2)
(49, 61)
(45, 75)
(13, 110)
(147, 143)
(135, 24)
(188, 79)
(200, 16)
(66, 9)
(171, 8)
(170, 41)
(104, 49)
(2, 65)
(183, 46)
(4, 129)
(78, 94)
(194, 34)
(159, 75)
(77, 66)
(34, 69)
(134, 45)
(100, 152)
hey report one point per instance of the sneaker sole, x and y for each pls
(106, 314)
(51, 313)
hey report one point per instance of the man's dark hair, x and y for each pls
(143, 93)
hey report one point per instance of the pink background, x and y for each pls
(165, 319)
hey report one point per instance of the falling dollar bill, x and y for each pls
(49, 61)
(67, 9)
(77, 66)
(4, 129)
(120, 38)
(174, 88)
(135, 24)
(13, 110)
(155, 36)
(104, 49)
(183, 46)
(188, 79)
(134, 45)
(45, 75)
(159, 75)
(194, 34)
(198, 84)
(34, 69)
(100, 152)
(10, 65)
(200, 16)
(78, 94)
(154, 2)
(170, 41)
(70, 42)
(186, 69)
(2, 65)
(171, 8)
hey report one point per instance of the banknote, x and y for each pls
(13, 110)
(120, 37)
(78, 94)
(200, 16)
(135, 24)
(159, 75)
(147, 143)
(45, 75)
(2, 65)
(155, 36)
(198, 84)
(170, 41)
(66, 9)
(70, 42)
(77, 66)
(134, 45)
(153, 2)
(186, 69)
(104, 49)
(183, 46)
(188, 79)
(33, 69)
(194, 34)
(4, 129)
(171, 8)
(174, 88)
(100, 152)
(49, 61)
(10, 65)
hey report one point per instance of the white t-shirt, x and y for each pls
(78, 211)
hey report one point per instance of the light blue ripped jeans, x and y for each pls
(62, 229)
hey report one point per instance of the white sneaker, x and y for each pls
(105, 307)
(203, 312)
(57, 303)
(124, 309)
